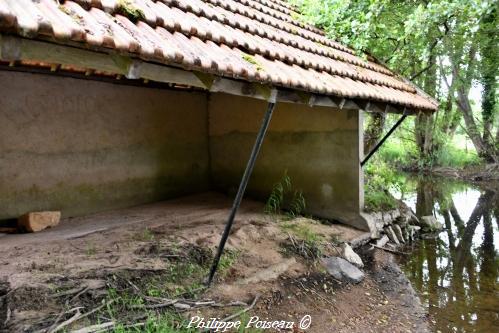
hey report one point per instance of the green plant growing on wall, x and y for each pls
(280, 192)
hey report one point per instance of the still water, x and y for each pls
(456, 273)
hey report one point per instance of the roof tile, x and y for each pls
(255, 40)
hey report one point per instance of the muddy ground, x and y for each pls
(130, 267)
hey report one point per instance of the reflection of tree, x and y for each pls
(458, 282)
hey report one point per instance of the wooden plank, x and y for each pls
(247, 89)
(322, 100)
(13, 48)
(167, 74)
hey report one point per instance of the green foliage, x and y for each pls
(301, 231)
(380, 179)
(163, 323)
(451, 156)
(297, 205)
(444, 46)
(303, 241)
(227, 260)
(276, 198)
(282, 192)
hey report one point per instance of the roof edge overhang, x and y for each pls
(14, 48)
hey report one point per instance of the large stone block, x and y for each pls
(37, 221)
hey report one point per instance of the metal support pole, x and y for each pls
(242, 189)
(380, 143)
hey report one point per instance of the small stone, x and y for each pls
(430, 223)
(391, 234)
(341, 269)
(398, 232)
(349, 254)
(37, 221)
(382, 241)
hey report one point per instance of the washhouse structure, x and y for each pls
(114, 103)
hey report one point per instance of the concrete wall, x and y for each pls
(81, 146)
(319, 147)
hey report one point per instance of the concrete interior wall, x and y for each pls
(81, 146)
(319, 147)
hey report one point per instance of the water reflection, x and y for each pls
(457, 273)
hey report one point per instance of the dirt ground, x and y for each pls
(165, 249)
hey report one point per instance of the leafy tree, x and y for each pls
(445, 47)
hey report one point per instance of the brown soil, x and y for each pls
(78, 262)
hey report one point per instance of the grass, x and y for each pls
(128, 291)
(305, 243)
(282, 193)
(164, 323)
(145, 236)
(404, 154)
(380, 179)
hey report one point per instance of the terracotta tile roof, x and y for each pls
(251, 40)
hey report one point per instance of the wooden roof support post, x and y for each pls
(242, 186)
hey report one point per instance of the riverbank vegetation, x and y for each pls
(449, 49)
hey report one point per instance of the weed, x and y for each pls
(163, 323)
(380, 178)
(144, 236)
(280, 191)
(303, 241)
(228, 260)
(297, 205)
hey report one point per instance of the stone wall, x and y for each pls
(319, 147)
(81, 146)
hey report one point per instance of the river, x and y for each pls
(456, 273)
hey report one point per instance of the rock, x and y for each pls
(349, 254)
(402, 220)
(391, 235)
(413, 219)
(342, 270)
(413, 230)
(382, 241)
(398, 232)
(430, 223)
(360, 240)
(37, 221)
(407, 235)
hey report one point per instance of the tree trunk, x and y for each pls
(374, 131)
(485, 151)
(424, 123)
(489, 54)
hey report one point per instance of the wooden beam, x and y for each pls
(322, 100)
(14, 49)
